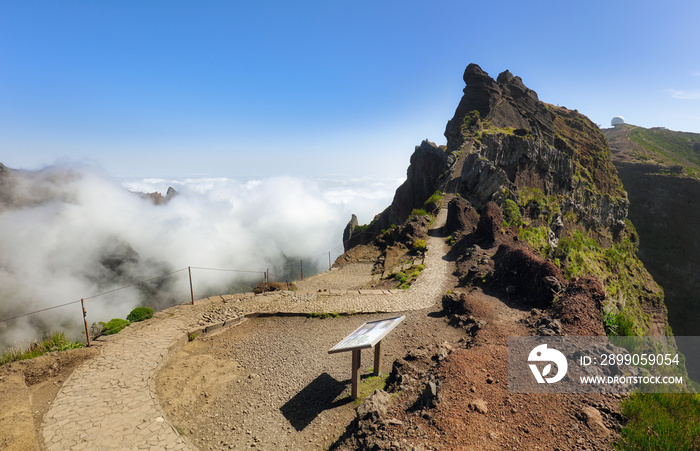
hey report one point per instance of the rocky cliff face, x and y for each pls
(502, 139)
(664, 208)
(550, 170)
(513, 141)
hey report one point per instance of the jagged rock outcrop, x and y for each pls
(427, 173)
(349, 229)
(506, 102)
(503, 139)
(512, 140)
(157, 198)
(428, 166)
(537, 218)
(537, 173)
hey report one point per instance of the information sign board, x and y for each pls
(367, 335)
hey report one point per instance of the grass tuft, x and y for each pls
(661, 421)
(54, 342)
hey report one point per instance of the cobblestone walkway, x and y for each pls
(110, 402)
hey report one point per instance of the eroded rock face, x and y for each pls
(461, 217)
(349, 229)
(512, 140)
(506, 102)
(429, 166)
(502, 139)
(528, 274)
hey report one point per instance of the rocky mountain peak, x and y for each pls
(503, 143)
(504, 102)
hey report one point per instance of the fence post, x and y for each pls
(302, 269)
(189, 269)
(329, 261)
(267, 279)
(87, 331)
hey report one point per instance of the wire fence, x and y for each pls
(285, 272)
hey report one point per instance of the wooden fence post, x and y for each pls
(87, 331)
(302, 269)
(189, 269)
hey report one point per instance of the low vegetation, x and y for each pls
(54, 342)
(434, 201)
(140, 314)
(112, 326)
(405, 279)
(418, 212)
(669, 421)
(368, 385)
(419, 246)
(577, 253)
(674, 148)
(324, 315)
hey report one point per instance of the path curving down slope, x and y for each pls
(110, 402)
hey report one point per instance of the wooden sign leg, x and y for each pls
(355, 373)
(377, 358)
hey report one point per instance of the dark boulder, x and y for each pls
(527, 275)
(462, 218)
(489, 226)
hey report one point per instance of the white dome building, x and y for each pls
(617, 120)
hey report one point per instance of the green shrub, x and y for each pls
(140, 314)
(511, 212)
(360, 229)
(610, 323)
(625, 325)
(113, 326)
(537, 237)
(419, 246)
(433, 201)
(418, 212)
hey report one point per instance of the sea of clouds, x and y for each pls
(72, 233)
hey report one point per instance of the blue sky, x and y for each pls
(232, 88)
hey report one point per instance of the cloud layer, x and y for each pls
(68, 233)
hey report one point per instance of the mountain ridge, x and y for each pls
(538, 218)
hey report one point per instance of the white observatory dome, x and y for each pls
(617, 120)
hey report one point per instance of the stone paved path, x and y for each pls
(110, 402)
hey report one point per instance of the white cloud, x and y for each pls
(685, 95)
(78, 233)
